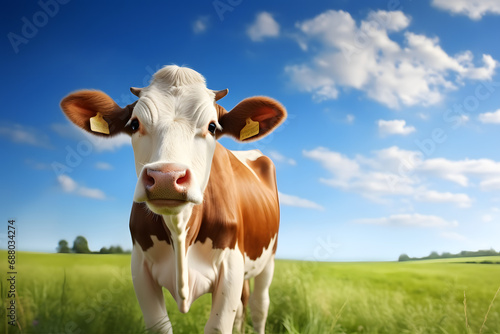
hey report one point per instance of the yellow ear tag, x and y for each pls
(249, 130)
(98, 124)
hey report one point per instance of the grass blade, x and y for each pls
(465, 312)
(488, 312)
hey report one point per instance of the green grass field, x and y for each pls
(69, 293)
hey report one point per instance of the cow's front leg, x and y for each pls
(259, 299)
(226, 295)
(150, 296)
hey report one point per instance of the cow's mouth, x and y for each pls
(162, 206)
(167, 203)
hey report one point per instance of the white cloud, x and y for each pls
(364, 57)
(394, 127)
(98, 143)
(353, 175)
(393, 159)
(67, 184)
(70, 186)
(490, 117)
(423, 116)
(373, 185)
(291, 200)
(308, 80)
(390, 21)
(278, 157)
(335, 162)
(461, 200)
(22, 134)
(91, 193)
(409, 220)
(487, 218)
(491, 184)
(391, 172)
(474, 9)
(445, 169)
(101, 144)
(460, 171)
(350, 118)
(263, 27)
(103, 166)
(201, 24)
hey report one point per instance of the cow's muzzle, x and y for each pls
(168, 185)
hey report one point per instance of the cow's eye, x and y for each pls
(134, 125)
(212, 127)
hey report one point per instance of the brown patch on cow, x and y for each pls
(218, 215)
(260, 205)
(236, 206)
(144, 224)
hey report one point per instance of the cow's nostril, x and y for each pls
(148, 180)
(183, 179)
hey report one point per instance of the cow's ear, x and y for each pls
(252, 118)
(82, 106)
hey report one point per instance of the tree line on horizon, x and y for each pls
(447, 255)
(81, 246)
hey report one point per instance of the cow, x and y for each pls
(204, 219)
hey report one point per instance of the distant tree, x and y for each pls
(404, 257)
(433, 255)
(63, 247)
(112, 250)
(446, 255)
(115, 250)
(80, 245)
(487, 252)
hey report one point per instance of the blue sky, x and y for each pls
(389, 148)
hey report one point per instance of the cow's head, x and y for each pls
(174, 126)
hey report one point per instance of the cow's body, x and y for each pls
(236, 226)
(204, 219)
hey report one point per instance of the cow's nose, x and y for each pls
(169, 181)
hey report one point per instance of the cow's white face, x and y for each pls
(173, 137)
(173, 127)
